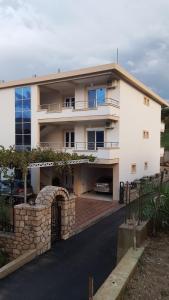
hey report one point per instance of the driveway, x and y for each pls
(62, 273)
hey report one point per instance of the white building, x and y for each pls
(103, 111)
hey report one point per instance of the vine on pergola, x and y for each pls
(11, 158)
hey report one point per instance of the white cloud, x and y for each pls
(38, 36)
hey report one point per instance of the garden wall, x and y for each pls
(32, 223)
(32, 230)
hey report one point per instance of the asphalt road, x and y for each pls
(62, 273)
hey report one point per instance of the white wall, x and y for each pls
(134, 118)
(7, 117)
(80, 96)
(114, 93)
(51, 97)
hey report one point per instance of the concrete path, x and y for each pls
(62, 273)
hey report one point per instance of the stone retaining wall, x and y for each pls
(32, 223)
(32, 230)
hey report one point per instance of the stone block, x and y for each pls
(126, 237)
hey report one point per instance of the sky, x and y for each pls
(41, 36)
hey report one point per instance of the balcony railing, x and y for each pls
(79, 105)
(79, 146)
(94, 146)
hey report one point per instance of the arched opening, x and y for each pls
(56, 219)
(62, 211)
(55, 181)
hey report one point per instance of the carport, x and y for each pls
(86, 177)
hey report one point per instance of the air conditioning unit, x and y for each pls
(109, 125)
(112, 85)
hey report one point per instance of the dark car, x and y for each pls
(104, 185)
(15, 188)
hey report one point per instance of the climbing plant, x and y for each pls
(10, 158)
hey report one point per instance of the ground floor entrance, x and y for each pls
(98, 181)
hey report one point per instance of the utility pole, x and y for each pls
(117, 55)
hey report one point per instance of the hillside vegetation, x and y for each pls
(165, 135)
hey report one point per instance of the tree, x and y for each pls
(11, 158)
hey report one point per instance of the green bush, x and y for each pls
(3, 258)
(165, 139)
(4, 211)
(157, 210)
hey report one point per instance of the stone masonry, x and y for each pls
(32, 230)
(33, 222)
(67, 203)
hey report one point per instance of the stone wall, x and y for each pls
(67, 218)
(52, 193)
(32, 230)
(32, 223)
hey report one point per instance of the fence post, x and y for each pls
(121, 198)
(90, 288)
(134, 233)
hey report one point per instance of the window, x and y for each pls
(146, 165)
(69, 102)
(145, 134)
(69, 139)
(96, 97)
(133, 168)
(95, 139)
(23, 117)
(146, 101)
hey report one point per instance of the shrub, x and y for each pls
(157, 210)
(3, 258)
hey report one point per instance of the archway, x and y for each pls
(62, 210)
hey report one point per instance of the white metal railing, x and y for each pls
(79, 146)
(51, 145)
(53, 107)
(93, 146)
(59, 107)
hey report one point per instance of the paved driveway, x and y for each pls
(62, 273)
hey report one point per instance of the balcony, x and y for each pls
(108, 150)
(78, 111)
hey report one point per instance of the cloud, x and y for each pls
(39, 36)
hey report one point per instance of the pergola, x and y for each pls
(60, 163)
(50, 164)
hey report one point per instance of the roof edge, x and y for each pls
(120, 71)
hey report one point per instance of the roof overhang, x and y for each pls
(113, 69)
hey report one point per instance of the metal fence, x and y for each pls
(7, 217)
(136, 196)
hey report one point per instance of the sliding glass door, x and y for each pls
(91, 98)
(96, 97)
(95, 139)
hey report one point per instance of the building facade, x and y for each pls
(101, 111)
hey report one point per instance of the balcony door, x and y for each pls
(69, 102)
(96, 97)
(95, 139)
(69, 139)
